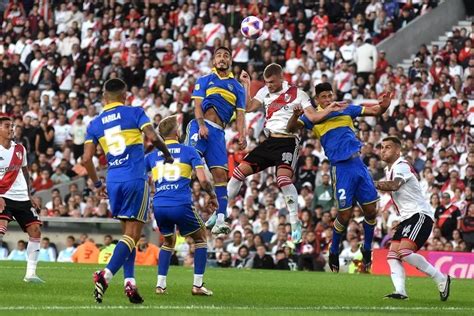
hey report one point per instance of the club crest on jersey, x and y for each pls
(406, 231)
(19, 155)
(287, 97)
(231, 87)
(287, 157)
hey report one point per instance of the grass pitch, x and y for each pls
(68, 291)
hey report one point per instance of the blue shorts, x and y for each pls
(129, 200)
(184, 216)
(213, 149)
(352, 183)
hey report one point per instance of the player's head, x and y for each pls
(6, 128)
(273, 76)
(391, 147)
(115, 90)
(169, 128)
(324, 94)
(222, 58)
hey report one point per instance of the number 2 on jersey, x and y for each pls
(115, 141)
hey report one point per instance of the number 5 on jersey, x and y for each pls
(115, 141)
(168, 172)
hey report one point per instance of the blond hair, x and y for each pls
(168, 125)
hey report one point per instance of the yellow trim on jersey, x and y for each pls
(112, 105)
(159, 172)
(363, 110)
(226, 94)
(88, 141)
(230, 75)
(196, 97)
(171, 141)
(200, 166)
(131, 136)
(239, 109)
(319, 130)
(146, 124)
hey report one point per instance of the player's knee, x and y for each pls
(404, 253)
(169, 242)
(283, 181)
(199, 237)
(393, 255)
(34, 231)
(219, 175)
(344, 217)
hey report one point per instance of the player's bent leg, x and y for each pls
(370, 214)
(220, 179)
(164, 260)
(32, 250)
(200, 259)
(407, 252)
(340, 226)
(397, 272)
(242, 171)
(285, 182)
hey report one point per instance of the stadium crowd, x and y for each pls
(56, 55)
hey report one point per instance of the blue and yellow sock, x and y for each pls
(121, 253)
(221, 192)
(129, 265)
(369, 227)
(164, 260)
(200, 259)
(336, 236)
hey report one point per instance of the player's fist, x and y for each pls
(298, 110)
(245, 78)
(213, 204)
(169, 159)
(102, 192)
(35, 203)
(203, 131)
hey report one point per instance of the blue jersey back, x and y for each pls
(224, 94)
(118, 130)
(337, 133)
(172, 181)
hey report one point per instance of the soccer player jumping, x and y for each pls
(118, 130)
(281, 148)
(351, 179)
(15, 197)
(216, 97)
(173, 203)
(416, 221)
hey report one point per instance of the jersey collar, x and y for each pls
(230, 75)
(112, 105)
(171, 141)
(396, 162)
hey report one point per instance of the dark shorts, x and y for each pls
(21, 211)
(274, 151)
(416, 229)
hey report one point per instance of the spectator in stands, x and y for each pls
(467, 227)
(323, 194)
(310, 257)
(19, 253)
(43, 182)
(225, 260)
(106, 250)
(448, 216)
(261, 260)
(147, 253)
(243, 260)
(47, 251)
(87, 252)
(282, 262)
(65, 255)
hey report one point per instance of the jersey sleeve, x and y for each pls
(261, 93)
(241, 98)
(354, 110)
(306, 122)
(305, 100)
(90, 136)
(142, 119)
(199, 91)
(194, 159)
(402, 171)
(25, 160)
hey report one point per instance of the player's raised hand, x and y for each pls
(203, 131)
(102, 192)
(169, 159)
(245, 78)
(298, 110)
(385, 99)
(35, 203)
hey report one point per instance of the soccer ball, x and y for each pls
(251, 27)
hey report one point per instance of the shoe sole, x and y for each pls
(444, 297)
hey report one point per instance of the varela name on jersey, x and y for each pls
(279, 107)
(172, 181)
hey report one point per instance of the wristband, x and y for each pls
(98, 184)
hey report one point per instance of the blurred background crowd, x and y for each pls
(56, 55)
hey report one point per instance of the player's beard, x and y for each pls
(222, 68)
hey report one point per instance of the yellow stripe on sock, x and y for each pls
(371, 222)
(338, 226)
(200, 245)
(167, 248)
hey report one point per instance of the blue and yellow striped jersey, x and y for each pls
(337, 133)
(224, 94)
(118, 130)
(172, 181)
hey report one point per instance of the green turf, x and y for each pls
(68, 291)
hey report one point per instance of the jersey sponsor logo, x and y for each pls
(118, 162)
(10, 168)
(110, 118)
(406, 231)
(166, 187)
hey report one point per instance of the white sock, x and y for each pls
(198, 280)
(161, 281)
(421, 264)
(108, 275)
(398, 275)
(233, 188)
(291, 199)
(220, 218)
(32, 251)
(131, 280)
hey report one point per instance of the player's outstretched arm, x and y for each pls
(253, 105)
(381, 107)
(389, 186)
(294, 124)
(158, 142)
(317, 116)
(207, 187)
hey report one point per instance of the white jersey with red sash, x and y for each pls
(12, 182)
(409, 199)
(279, 106)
